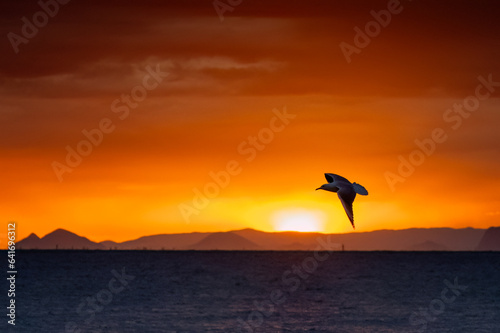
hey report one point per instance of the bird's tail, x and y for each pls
(359, 189)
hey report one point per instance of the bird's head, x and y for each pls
(322, 187)
(331, 187)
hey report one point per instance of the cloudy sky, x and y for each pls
(121, 120)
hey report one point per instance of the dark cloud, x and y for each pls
(430, 46)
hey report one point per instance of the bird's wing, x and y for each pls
(360, 189)
(331, 177)
(346, 196)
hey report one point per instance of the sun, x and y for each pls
(302, 220)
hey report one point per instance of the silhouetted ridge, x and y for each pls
(59, 239)
(428, 246)
(32, 237)
(30, 242)
(224, 241)
(490, 240)
(415, 239)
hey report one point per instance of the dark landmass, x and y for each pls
(59, 239)
(224, 241)
(428, 246)
(490, 240)
(416, 239)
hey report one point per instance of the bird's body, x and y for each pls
(345, 190)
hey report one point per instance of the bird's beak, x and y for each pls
(319, 188)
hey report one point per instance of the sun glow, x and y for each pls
(298, 220)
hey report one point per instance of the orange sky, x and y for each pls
(217, 87)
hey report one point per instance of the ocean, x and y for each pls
(218, 291)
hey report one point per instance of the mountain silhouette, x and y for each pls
(225, 241)
(30, 242)
(428, 246)
(163, 241)
(433, 239)
(282, 241)
(379, 240)
(59, 239)
(490, 240)
(110, 245)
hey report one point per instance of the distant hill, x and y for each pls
(59, 239)
(380, 240)
(428, 246)
(30, 242)
(110, 245)
(282, 241)
(433, 239)
(490, 240)
(161, 242)
(224, 241)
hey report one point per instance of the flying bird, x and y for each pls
(345, 190)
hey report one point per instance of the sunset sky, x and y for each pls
(266, 97)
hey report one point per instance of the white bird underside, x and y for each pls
(346, 192)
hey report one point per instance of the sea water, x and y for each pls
(218, 291)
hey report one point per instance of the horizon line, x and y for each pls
(269, 232)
